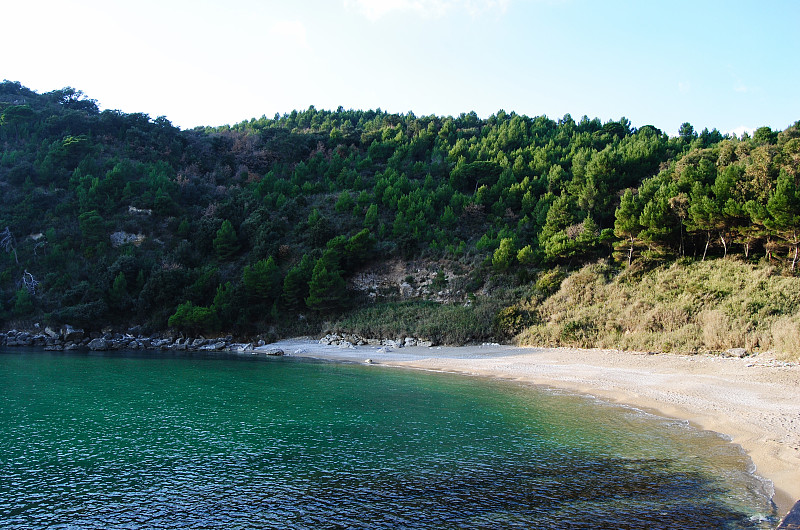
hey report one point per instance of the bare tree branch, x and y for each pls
(8, 243)
(29, 281)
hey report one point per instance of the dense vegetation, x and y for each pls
(110, 218)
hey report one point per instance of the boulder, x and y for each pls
(736, 352)
(425, 343)
(71, 334)
(268, 350)
(98, 344)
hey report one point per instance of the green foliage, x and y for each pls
(226, 244)
(263, 280)
(23, 303)
(512, 320)
(440, 323)
(191, 318)
(371, 217)
(344, 203)
(117, 296)
(295, 284)
(306, 183)
(525, 256)
(225, 305)
(504, 255)
(326, 289)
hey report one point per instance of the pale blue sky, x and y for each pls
(718, 64)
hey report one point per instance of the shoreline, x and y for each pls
(752, 400)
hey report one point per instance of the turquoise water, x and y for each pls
(134, 441)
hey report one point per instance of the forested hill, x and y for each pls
(110, 218)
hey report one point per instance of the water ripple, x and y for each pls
(185, 443)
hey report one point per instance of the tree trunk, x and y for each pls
(794, 260)
(746, 249)
(705, 250)
(630, 253)
(724, 247)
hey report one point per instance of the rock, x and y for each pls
(406, 291)
(367, 361)
(736, 352)
(50, 333)
(425, 343)
(54, 347)
(346, 345)
(275, 352)
(98, 344)
(409, 342)
(121, 238)
(382, 350)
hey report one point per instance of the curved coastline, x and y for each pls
(752, 400)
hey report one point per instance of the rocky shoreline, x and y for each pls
(68, 338)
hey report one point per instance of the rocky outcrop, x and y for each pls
(416, 280)
(122, 238)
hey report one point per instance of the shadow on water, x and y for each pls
(561, 493)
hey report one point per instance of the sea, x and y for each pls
(161, 440)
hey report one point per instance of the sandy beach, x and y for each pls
(753, 400)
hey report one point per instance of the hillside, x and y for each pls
(274, 225)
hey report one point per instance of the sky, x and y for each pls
(731, 65)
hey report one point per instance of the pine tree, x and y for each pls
(295, 284)
(326, 289)
(626, 225)
(226, 244)
(263, 280)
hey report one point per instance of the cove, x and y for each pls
(125, 440)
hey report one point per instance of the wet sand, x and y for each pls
(754, 400)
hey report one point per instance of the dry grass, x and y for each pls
(684, 307)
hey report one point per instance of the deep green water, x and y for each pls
(133, 441)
